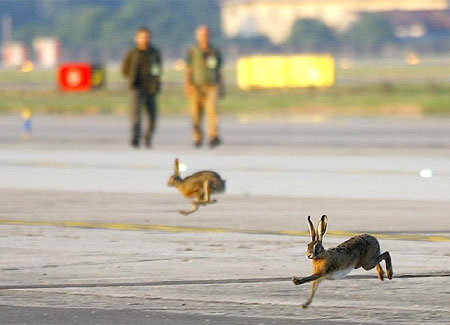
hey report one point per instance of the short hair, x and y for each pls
(143, 29)
(201, 28)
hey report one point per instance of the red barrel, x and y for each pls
(75, 76)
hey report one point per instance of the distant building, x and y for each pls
(47, 51)
(275, 18)
(416, 24)
(14, 54)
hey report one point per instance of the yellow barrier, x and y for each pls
(285, 71)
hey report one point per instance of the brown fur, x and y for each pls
(359, 251)
(198, 186)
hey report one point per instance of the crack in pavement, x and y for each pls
(198, 282)
(94, 264)
(193, 229)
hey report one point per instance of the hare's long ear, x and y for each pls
(176, 169)
(322, 227)
(312, 232)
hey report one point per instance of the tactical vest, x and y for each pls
(205, 66)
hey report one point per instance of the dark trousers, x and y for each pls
(141, 98)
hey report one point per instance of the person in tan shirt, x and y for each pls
(203, 82)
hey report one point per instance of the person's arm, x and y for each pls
(188, 75)
(126, 65)
(158, 73)
(221, 80)
(160, 62)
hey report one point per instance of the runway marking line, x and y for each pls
(168, 228)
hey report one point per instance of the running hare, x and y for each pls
(199, 186)
(334, 263)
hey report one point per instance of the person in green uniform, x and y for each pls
(203, 82)
(142, 67)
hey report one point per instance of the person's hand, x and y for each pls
(222, 91)
(188, 89)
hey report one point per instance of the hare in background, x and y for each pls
(334, 263)
(199, 186)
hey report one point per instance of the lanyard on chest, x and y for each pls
(207, 60)
(149, 61)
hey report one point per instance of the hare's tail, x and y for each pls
(219, 186)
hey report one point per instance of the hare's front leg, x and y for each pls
(310, 278)
(316, 278)
(314, 286)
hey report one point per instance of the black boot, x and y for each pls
(214, 142)
(135, 143)
(198, 144)
(148, 143)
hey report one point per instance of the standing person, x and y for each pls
(203, 81)
(142, 67)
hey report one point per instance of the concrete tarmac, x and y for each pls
(90, 233)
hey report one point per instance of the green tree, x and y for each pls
(81, 28)
(369, 34)
(310, 35)
(172, 23)
(249, 45)
(95, 27)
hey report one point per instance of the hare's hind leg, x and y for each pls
(387, 258)
(207, 193)
(380, 272)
